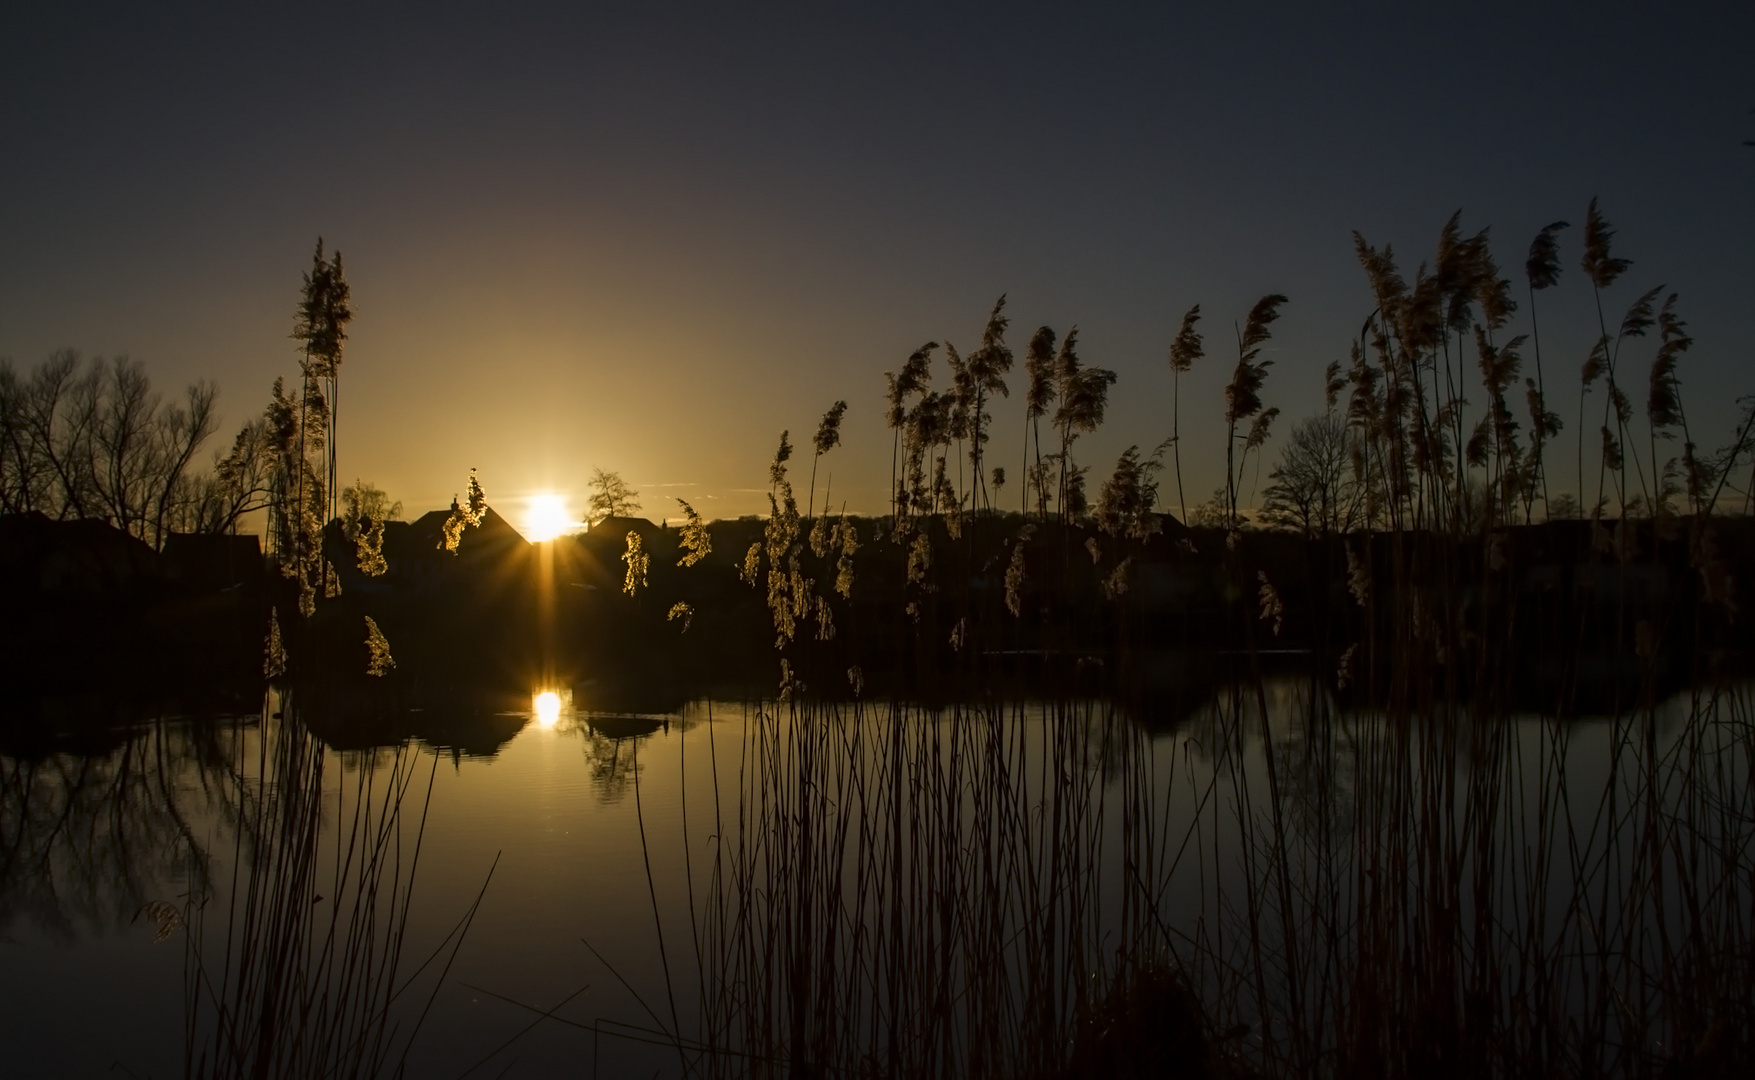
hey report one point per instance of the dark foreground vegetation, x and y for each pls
(1457, 765)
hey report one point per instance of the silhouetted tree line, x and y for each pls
(93, 439)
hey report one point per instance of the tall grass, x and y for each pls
(296, 967)
(1303, 889)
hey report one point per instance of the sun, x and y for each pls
(546, 518)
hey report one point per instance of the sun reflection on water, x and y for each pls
(547, 706)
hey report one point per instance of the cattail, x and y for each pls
(273, 651)
(638, 562)
(1599, 266)
(331, 581)
(693, 538)
(378, 661)
(681, 610)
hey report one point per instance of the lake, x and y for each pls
(769, 874)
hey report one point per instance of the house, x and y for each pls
(213, 561)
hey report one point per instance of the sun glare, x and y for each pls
(547, 518)
(548, 708)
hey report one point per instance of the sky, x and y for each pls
(649, 238)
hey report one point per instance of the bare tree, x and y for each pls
(1313, 487)
(611, 496)
(95, 441)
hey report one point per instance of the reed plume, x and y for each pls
(1084, 397)
(1242, 394)
(465, 515)
(273, 651)
(1542, 270)
(987, 369)
(1039, 396)
(694, 539)
(1601, 267)
(827, 438)
(638, 562)
(1184, 351)
(378, 660)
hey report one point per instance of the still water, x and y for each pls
(589, 842)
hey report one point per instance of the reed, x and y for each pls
(1383, 866)
(295, 967)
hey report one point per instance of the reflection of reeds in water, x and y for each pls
(995, 891)
(911, 893)
(308, 977)
(1474, 901)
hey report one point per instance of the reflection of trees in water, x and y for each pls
(612, 763)
(1315, 748)
(85, 840)
(294, 962)
(612, 746)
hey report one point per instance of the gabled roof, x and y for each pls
(427, 532)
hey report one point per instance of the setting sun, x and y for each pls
(547, 518)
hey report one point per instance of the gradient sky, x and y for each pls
(648, 240)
